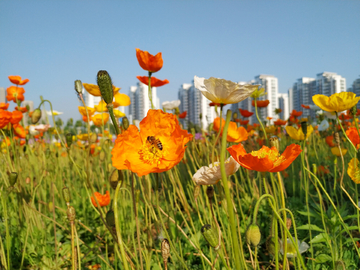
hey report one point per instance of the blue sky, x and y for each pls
(54, 43)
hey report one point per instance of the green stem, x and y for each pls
(260, 122)
(150, 92)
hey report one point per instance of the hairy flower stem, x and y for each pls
(217, 137)
(260, 122)
(136, 219)
(113, 119)
(337, 118)
(239, 258)
(282, 191)
(150, 92)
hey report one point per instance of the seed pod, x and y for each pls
(253, 235)
(105, 85)
(125, 123)
(210, 236)
(270, 245)
(110, 218)
(197, 192)
(71, 213)
(78, 86)
(165, 249)
(36, 115)
(337, 138)
(304, 128)
(50, 206)
(68, 138)
(66, 194)
(13, 178)
(210, 192)
(274, 142)
(288, 223)
(93, 138)
(115, 177)
(102, 155)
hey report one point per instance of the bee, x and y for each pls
(155, 142)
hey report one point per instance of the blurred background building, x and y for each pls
(2, 94)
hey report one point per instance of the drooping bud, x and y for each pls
(304, 128)
(71, 213)
(165, 249)
(68, 138)
(253, 235)
(36, 115)
(66, 194)
(235, 116)
(270, 245)
(125, 123)
(13, 178)
(210, 236)
(110, 218)
(105, 84)
(274, 142)
(115, 177)
(78, 86)
(210, 192)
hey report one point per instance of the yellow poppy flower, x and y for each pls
(270, 129)
(101, 107)
(82, 110)
(304, 119)
(354, 171)
(297, 134)
(119, 114)
(337, 102)
(336, 152)
(94, 90)
(99, 118)
(83, 137)
(121, 100)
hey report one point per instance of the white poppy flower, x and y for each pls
(330, 115)
(42, 128)
(171, 105)
(291, 251)
(212, 174)
(33, 131)
(222, 91)
(324, 125)
(54, 112)
(314, 107)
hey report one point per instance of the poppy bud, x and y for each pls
(125, 123)
(78, 86)
(165, 249)
(304, 128)
(93, 138)
(13, 178)
(274, 142)
(36, 115)
(270, 245)
(353, 110)
(115, 177)
(196, 192)
(105, 86)
(210, 192)
(102, 155)
(66, 194)
(253, 235)
(288, 223)
(235, 116)
(50, 206)
(68, 138)
(177, 112)
(71, 213)
(210, 236)
(110, 218)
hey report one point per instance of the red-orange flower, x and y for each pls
(330, 141)
(5, 118)
(19, 131)
(280, 122)
(21, 109)
(103, 200)
(14, 93)
(245, 113)
(323, 170)
(296, 113)
(244, 122)
(305, 106)
(344, 117)
(85, 119)
(183, 115)
(353, 135)
(4, 106)
(293, 119)
(266, 159)
(15, 79)
(260, 103)
(159, 146)
(154, 82)
(148, 61)
(235, 134)
(16, 117)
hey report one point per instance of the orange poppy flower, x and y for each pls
(103, 200)
(330, 140)
(260, 141)
(148, 61)
(85, 119)
(285, 174)
(16, 117)
(293, 119)
(280, 122)
(14, 93)
(249, 128)
(82, 110)
(266, 159)
(183, 115)
(344, 117)
(256, 125)
(15, 79)
(244, 122)
(4, 106)
(94, 90)
(159, 146)
(296, 113)
(21, 109)
(245, 113)
(5, 118)
(260, 103)
(353, 135)
(305, 106)
(154, 82)
(19, 131)
(235, 134)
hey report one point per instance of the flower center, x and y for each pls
(151, 151)
(271, 154)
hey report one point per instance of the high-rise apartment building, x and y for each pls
(140, 102)
(356, 89)
(328, 83)
(183, 96)
(26, 118)
(291, 100)
(2, 94)
(284, 106)
(90, 100)
(303, 90)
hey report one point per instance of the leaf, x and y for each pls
(322, 258)
(322, 237)
(310, 227)
(306, 214)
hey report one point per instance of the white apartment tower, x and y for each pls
(140, 102)
(183, 96)
(2, 94)
(328, 83)
(284, 106)
(356, 89)
(303, 90)
(89, 99)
